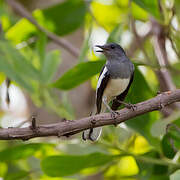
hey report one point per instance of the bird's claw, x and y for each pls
(114, 115)
(131, 106)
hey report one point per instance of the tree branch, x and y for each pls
(159, 33)
(73, 127)
(60, 41)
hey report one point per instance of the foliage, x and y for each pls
(143, 148)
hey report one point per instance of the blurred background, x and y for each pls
(47, 51)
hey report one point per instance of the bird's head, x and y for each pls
(111, 50)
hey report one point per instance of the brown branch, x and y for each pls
(160, 34)
(60, 41)
(73, 127)
(159, 38)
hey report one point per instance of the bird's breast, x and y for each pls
(115, 87)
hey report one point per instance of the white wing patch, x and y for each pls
(101, 77)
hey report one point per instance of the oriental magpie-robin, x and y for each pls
(113, 84)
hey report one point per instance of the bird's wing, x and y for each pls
(121, 97)
(102, 83)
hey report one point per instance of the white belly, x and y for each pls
(115, 87)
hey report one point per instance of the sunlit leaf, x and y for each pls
(138, 12)
(8, 69)
(126, 166)
(150, 6)
(108, 16)
(50, 65)
(17, 67)
(41, 46)
(21, 31)
(18, 61)
(78, 74)
(3, 169)
(61, 18)
(21, 151)
(140, 145)
(5, 22)
(65, 165)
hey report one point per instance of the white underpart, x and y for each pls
(101, 77)
(115, 87)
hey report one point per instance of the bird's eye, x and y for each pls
(112, 46)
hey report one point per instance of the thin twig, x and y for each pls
(8, 82)
(76, 126)
(60, 41)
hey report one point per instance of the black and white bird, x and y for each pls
(113, 84)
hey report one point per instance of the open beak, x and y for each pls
(103, 48)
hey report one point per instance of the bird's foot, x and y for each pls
(114, 115)
(130, 106)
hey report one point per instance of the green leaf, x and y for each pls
(17, 175)
(78, 74)
(17, 67)
(108, 15)
(18, 61)
(177, 6)
(66, 165)
(50, 65)
(65, 17)
(41, 46)
(151, 6)
(149, 170)
(171, 140)
(175, 175)
(167, 148)
(159, 177)
(62, 18)
(8, 69)
(140, 91)
(116, 34)
(139, 13)
(3, 169)
(21, 31)
(21, 151)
